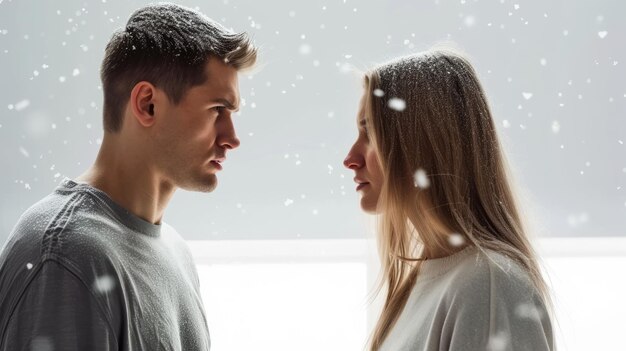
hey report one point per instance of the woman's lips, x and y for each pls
(361, 186)
(216, 165)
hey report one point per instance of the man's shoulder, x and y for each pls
(64, 226)
(56, 230)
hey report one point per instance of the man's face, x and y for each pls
(192, 137)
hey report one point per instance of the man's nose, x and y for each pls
(228, 138)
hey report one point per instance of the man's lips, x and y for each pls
(217, 162)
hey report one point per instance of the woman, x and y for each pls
(457, 267)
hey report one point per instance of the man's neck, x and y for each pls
(130, 180)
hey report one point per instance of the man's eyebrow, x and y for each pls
(229, 105)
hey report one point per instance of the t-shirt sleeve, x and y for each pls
(58, 312)
(499, 313)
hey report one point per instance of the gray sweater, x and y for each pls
(472, 301)
(79, 272)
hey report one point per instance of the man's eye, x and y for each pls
(219, 109)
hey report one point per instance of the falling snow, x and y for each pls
(41, 115)
(397, 104)
(498, 342)
(24, 152)
(104, 284)
(469, 21)
(576, 220)
(22, 105)
(305, 49)
(41, 343)
(420, 179)
(456, 239)
(528, 311)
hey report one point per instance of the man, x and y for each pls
(91, 266)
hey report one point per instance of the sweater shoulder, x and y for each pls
(486, 272)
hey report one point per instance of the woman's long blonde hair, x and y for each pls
(445, 130)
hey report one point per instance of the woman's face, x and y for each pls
(363, 161)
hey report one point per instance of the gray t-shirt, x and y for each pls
(79, 272)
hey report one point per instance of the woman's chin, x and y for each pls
(369, 207)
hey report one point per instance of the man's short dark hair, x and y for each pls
(167, 45)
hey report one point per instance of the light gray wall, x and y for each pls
(299, 113)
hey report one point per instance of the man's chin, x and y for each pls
(204, 184)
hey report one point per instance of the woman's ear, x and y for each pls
(142, 103)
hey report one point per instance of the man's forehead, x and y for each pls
(211, 92)
(219, 72)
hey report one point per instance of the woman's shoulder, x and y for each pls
(491, 294)
(489, 273)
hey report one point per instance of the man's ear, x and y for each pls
(142, 103)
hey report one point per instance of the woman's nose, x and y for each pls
(353, 161)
